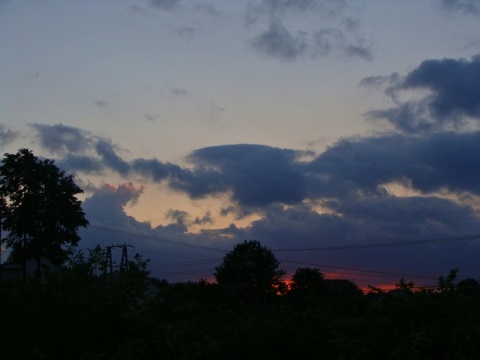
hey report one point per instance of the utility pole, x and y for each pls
(123, 260)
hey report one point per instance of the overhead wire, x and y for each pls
(326, 248)
(357, 270)
(151, 237)
(383, 245)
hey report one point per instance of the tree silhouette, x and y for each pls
(39, 208)
(308, 285)
(250, 262)
(308, 279)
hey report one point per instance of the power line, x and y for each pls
(357, 270)
(346, 247)
(163, 240)
(383, 245)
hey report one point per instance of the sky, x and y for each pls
(343, 135)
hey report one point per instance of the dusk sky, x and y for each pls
(344, 135)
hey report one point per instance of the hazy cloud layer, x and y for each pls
(7, 136)
(471, 7)
(277, 41)
(164, 4)
(256, 175)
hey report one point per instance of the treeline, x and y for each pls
(87, 313)
(130, 316)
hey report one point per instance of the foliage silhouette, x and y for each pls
(307, 286)
(82, 316)
(39, 207)
(250, 262)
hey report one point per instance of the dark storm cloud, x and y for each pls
(199, 183)
(278, 42)
(471, 7)
(256, 175)
(454, 86)
(365, 221)
(61, 139)
(428, 164)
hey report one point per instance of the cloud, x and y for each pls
(256, 175)
(208, 9)
(101, 103)
(410, 118)
(81, 163)
(205, 219)
(340, 197)
(179, 216)
(359, 51)
(284, 43)
(380, 81)
(452, 101)
(469, 7)
(61, 139)
(106, 205)
(152, 117)
(455, 85)
(327, 40)
(428, 164)
(179, 92)
(278, 42)
(108, 153)
(186, 31)
(281, 8)
(7, 136)
(164, 4)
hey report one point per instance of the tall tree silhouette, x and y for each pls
(250, 262)
(40, 210)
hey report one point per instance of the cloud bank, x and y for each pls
(418, 181)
